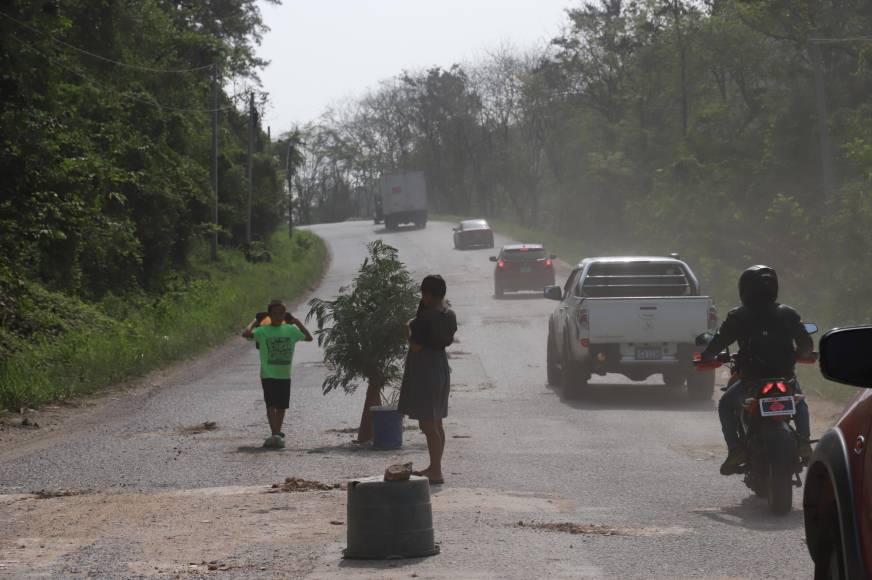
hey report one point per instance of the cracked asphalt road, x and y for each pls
(152, 495)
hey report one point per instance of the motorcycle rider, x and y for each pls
(770, 336)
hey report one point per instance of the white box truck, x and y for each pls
(404, 199)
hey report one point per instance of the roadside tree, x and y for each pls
(361, 330)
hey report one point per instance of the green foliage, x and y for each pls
(107, 167)
(65, 348)
(361, 330)
(655, 127)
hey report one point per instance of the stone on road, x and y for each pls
(621, 484)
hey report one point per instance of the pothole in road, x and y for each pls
(600, 529)
(504, 320)
(295, 484)
(461, 388)
(311, 364)
(199, 428)
(699, 452)
(348, 430)
(49, 494)
(353, 430)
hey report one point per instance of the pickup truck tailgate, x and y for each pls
(647, 320)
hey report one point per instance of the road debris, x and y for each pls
(49, 494)
(398, 472)
(599, 529)
(292, 484)
(199, 428)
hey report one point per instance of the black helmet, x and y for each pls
(758, 286)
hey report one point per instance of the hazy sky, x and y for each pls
(322, 51)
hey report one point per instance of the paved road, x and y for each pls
(635, 463)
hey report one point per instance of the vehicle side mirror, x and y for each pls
(845, 356)
(704, 339)
(455, 229)
(553, 293)
(810, 327)
(493, 258)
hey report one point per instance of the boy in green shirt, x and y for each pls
(276, 342)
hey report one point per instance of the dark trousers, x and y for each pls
(731, 402)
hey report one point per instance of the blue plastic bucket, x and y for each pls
(387, 427)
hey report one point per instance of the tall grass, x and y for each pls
(719, 282)
(152, 334)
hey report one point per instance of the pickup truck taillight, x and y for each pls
(713, 317)
(548, 263)
(583, 319)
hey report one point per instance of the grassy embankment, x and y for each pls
(117, 339)
(719, 282)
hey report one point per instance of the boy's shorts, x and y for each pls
(276, 392)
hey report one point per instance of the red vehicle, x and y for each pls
(838, 490)
(523, 267)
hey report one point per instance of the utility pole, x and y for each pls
(215, 161)
(250, 164)
(823, 121)
(289, 176)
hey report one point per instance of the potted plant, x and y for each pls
(387, 421)
(361, 330)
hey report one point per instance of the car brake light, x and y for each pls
(525, 249)
(583, 319)
(767, 388)
(501, 264)
(548, 263)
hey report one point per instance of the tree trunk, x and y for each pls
(373, 399)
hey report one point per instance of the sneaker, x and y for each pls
(805, 450)
(273, 442)
(736, 457)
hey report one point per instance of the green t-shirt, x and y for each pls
(277, 349)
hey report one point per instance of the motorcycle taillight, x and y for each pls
(780, 386)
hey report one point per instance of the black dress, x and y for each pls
(425, 388)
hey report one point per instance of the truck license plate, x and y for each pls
(649, 353)
(525, 269)
(776, 406)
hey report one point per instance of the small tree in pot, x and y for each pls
(361, 330)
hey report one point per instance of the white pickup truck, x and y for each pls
(635, 316)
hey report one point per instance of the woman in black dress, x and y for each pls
(424, 392)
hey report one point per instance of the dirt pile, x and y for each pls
(293, 484)
(199, 428)
(601, 530)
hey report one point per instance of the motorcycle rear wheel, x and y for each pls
(780, 493)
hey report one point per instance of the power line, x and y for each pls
(99, 86)
(103, 58)
(840, 40)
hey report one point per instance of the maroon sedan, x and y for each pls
(838, 489)
(523, 267)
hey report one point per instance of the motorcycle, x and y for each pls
(766, 429)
